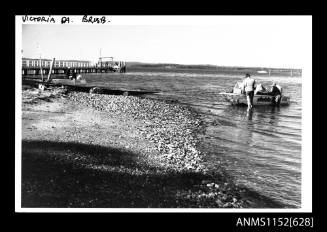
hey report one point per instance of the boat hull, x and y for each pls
(258, 100)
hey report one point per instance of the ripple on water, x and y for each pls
(262, 150)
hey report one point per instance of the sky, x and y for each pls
(282, 42)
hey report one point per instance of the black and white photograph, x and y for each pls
(163, 113)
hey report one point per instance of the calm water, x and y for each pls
(261, 150)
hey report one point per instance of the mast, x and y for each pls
(100, 59)
(40, 60)
(51, 67)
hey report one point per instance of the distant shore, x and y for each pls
(105, 151)
(166, 67)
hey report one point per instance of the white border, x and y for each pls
(155, 20)
(18, 112)
(306, 162)
(306, 204)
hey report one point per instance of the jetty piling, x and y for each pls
(41, 70)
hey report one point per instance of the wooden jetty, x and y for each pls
(62, 70)
(47, 66)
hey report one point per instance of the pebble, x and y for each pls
(219, 202)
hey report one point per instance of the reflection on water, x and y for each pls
(260, 150)
(249, 114)
(261, 147)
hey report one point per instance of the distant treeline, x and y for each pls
(166, 66)
(171, 66)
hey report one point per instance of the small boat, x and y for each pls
(240, 99)
(237, 98)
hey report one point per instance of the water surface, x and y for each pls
(261, 149)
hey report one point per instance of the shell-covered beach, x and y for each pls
(96, 150)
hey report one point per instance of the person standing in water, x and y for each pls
(248, 88)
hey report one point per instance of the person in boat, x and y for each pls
(248, 88)
(277, 93)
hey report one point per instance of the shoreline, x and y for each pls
(96, 150)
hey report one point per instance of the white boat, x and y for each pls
(238, 98)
